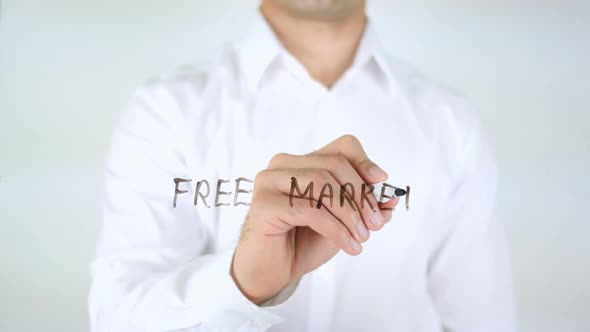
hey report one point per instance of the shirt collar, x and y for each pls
(256, 50)
(260, 47)
(371, 50)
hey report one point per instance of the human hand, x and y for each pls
(280, 243)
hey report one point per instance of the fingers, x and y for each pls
(320, 189)
(388, 207)
(343, 172)
(350, 147)
(303, 190)
(281, 216)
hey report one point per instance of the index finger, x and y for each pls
(350, 148)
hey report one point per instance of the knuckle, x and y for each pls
(321, 176)
(343, 235)
(352, 218)
(278, 159)
(301, 174)
(259, 197)
(336, 162)
(261, 176)
(350, 139)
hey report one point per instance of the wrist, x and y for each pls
(246, 283)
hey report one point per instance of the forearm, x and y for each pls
(198, 292)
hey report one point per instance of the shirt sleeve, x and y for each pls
(469, 274)
(154, 270)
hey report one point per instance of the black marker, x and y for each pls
(381, 189)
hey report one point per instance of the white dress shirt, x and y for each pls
(441, 266)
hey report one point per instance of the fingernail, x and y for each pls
(354, 245)
(362, 230)
(377, 172)
(377, 219)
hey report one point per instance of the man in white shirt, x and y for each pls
(309, 94)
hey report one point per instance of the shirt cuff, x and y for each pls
(282, 296)
(224, 305)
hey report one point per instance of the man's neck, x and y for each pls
(325, 48)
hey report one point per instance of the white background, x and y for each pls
(67, 68)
